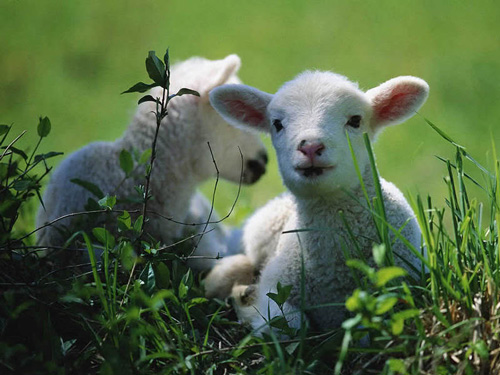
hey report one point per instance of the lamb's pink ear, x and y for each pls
(396, 100)
(220, 73)
(242, 106)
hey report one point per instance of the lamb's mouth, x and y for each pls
(313, 171)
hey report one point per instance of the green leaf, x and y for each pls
(379, 254)
(149, 280)
(353, 303)
(127, 255)
(280, 323)
(157, 301)
(352, 322)
(104, 237)
(361, 266)
(197, 301)
(384, 275)
(184, 91)
(282, 295)
(140, 87)
(145, 156)
(46, 156)
(183, 290)
(108, 202)
(147, 98)
(397, 365)
(406, 314)
(16, 151)
(187, 279)
(162, 275)
(138, 224)
(44, 127)
(155, 68)
(398, 319)
(4, 170)
(4, 129)
(124, 221)
(23, 185)
(92, 205)
(126, 162)
(384, 304)
(397, 326)
(94, 189)
(481, 349)
(290, 349)
(66, 346)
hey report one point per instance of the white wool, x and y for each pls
(315, 111)
(183, 161)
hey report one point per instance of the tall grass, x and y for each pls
(113, 319)
(447, 324)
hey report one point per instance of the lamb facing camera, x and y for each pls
(183, 161)
(309, 120)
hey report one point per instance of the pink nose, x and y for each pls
(311, 150)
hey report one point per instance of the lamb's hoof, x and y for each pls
(230, 271)
(244, 295)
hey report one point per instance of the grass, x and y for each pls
(147, 314)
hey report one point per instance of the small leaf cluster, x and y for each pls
(159, 73)
(20, 176)
(374, 308)
(280, 297)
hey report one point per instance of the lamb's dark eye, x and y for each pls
(354, 121)
(278, 125)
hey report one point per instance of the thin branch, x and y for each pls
(62, 218)
(11, 143)
(128, 284)
(213, 200)
(259, 344)
(159, 117)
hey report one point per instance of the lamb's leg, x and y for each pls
(214, 242)
(255, 308)
(229, 271)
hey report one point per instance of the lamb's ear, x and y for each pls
(396, 100)
(242, 106)
(220, 73)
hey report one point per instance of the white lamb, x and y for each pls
(308, 119)
(183, 161)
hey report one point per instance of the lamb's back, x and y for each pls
(96, 163)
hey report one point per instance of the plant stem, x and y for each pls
(159, 117)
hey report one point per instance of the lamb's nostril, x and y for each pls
(320, 149)
(311, 149)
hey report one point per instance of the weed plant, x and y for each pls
(136, 308)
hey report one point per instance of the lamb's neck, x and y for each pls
(173, 179)
(173, 157)
(317, 209)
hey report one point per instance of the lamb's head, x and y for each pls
(310, 118)
(205, 125)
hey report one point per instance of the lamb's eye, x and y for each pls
(278, 125)
(354, 121)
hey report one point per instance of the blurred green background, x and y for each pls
(70, 60)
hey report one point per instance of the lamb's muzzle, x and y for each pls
(255, 168)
